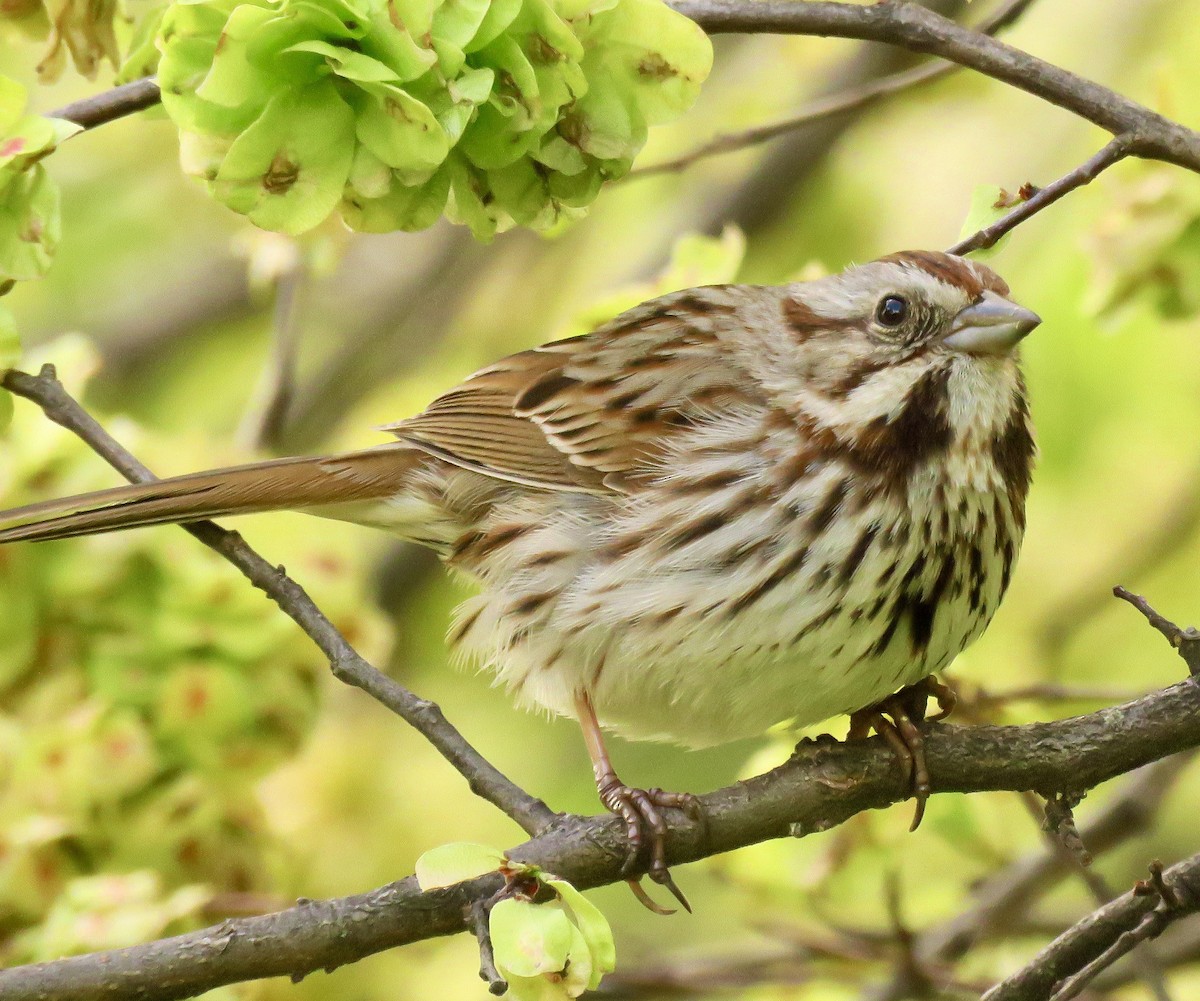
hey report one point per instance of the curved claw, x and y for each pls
(903, 735)
(647, 901)
(663, 878)
(640, 809)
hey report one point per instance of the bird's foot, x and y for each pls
(895, 719)
(641, 809)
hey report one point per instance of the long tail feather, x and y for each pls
(277, 484)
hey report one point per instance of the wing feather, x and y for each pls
(592, 413)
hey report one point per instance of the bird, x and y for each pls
(729, 507)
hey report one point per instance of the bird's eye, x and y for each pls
(891, 311)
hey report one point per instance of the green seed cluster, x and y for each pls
(496, 112)
(145, 688)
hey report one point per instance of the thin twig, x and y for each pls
(1155, 541)
(484, 778)
(110, 105)
(1085, 173)
(1075, 958)
(821, 108)
(829, 105)
(479, 913)
(1185, 641)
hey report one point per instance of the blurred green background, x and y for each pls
(237, 775)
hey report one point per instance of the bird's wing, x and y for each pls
(591, 413)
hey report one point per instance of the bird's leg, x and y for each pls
(896, 719)
(639, 808)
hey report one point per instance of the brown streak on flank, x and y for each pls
(1013, 451)
(708, 483)
(977, 578)
(696, 530)
(624, 399)
(822, 516)
(621, 546)
(527, 606)
(599, 669)
(735, 557)
(662, 618)
(455, 636)
(852, 562)
(924, 610)
(802, 319)
(817, 623)
(777, 576)
(889, 631)
(546, 558)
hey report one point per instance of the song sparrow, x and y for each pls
(728, 507)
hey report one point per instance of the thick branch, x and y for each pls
(921, 30)
(484, 779)
(829, 105)
(822, 786)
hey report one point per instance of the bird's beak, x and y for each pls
(990, 326)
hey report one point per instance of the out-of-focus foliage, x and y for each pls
(514, 110)
(145, 688)
(1147, 246)
(29, 200)
(145, 268)
(82, 28)
(10, 350)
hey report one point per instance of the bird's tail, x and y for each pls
(277, 484)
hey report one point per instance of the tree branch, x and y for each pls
(908, 25)
(110, 105)
(484, 779)
(1185, 641)
(1152, 136)
(1070, 962)
(820, 787)
(1085, 173)
(829, 105)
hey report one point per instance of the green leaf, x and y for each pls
(405, 208)
(347, 64)
(393, 41)
(499, 15)
(402, 132)
(287, 171)
(529, 939)
(594, 928)
(452, 863)
(29, 224)
(233, 79)
(989, 203)
(650, 54)
(457, 21)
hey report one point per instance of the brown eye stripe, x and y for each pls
(801, 317)
(973, 278)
